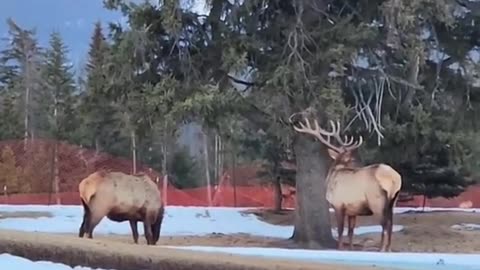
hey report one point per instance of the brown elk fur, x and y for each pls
(353, 190)
(121, 197)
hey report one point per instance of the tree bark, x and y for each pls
(221, 154)
(278, 194)
(133, 139)
(216, 167)
(207, 166)
(56, 173)
(97, 145)
(312, 217)
(56, 170)
(164, 149)
(27, 109)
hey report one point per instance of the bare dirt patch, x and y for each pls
(24, 214)
(103, 253)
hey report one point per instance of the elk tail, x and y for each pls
(85, 207)
(392, 202)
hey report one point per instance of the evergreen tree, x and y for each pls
(57, 101)
(100, 117)
(10, 116)
(22, 60)
(60, 90)
(184, 169)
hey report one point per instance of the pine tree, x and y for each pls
(10, 116)
(60, 96)
(98, 111)
(57, 101)
(24, 57)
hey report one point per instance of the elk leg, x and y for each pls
(390, 229)
(133, 225)
(340, 215)
(147, 227)
(385, 221)
(93, 222)
(157, 225)
(351, 227)
(83, 226)
(85, 221)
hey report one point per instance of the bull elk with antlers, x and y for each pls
(356, 191)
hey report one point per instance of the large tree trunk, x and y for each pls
(312, 217)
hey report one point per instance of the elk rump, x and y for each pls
(121, 197)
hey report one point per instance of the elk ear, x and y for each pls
(333, 154)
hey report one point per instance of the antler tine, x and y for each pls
(356, 144)
(317, 132)
(346, 144)
(335, 132)
(349, 142)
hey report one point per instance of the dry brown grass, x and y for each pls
(108, 254)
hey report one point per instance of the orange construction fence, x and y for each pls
(28, 175)
(244, 196)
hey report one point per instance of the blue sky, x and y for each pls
(74, 19)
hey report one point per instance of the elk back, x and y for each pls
(124, 195)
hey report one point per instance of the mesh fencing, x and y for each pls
(34, 174)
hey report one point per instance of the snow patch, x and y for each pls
(400, 260)
(8, 261)
(466, 227)
(178, 221)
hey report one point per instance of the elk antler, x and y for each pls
(346, 144)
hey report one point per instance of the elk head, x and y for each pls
(341, 153)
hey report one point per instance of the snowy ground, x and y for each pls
(410, 261)
(466, 227)
(179, 220)
(8, 261)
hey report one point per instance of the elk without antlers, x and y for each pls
(356, 191)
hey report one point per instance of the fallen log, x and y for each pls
(74, 251)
